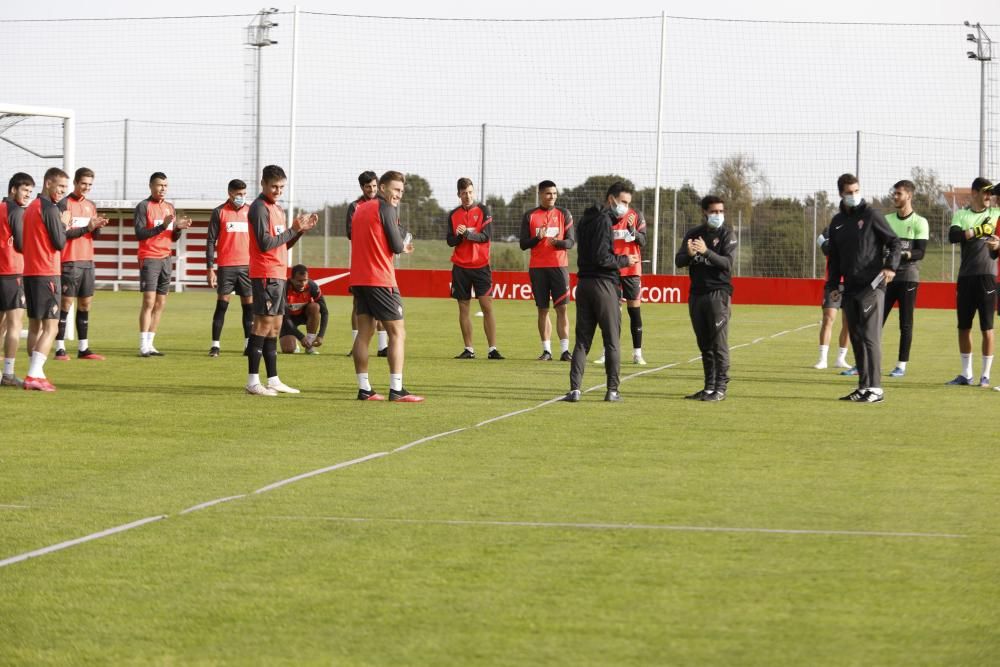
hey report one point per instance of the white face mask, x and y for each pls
(715, 220)
(239, 201)
(620, 209)
(852, 200)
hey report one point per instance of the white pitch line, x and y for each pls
(757, 340)
(427, 439)
(80, 540)
(780, 333)
(320, 471)
(624, 526)
(807, 326)
(15, 507)
(211, 503)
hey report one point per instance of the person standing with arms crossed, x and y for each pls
(229, 242)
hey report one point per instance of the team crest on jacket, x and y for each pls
(861, 223)
(715, 241)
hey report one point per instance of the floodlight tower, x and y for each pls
(984, 54)
(259, 36)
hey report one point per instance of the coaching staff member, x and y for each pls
(597, 292)
(707, 251)
(862, 246)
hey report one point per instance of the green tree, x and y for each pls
(740, 181)
(419, 211)
(780, 238)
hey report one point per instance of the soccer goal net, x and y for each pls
(33, 139)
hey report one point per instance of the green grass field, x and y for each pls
(586, 534)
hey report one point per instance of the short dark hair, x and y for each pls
(272, 173)
(905, 185)
(366, 177)
(464, 183)
(390, 176)
(54, 172)
(237, 184)
(19, 179)
(81, 173)
(547, 184)
(981, 184)
(157, 176)
(299, 269)
(617, 188)
(844, 181)
(708, 200)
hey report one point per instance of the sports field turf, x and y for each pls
(778, 527)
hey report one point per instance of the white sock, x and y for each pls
(492, 348)
(253, 379)
(637, 351)
(875, 390)
(354, 334)
(547, 346)
(61, 345)
(215, 343)
(36, 367)
(8, 365)
(967, 365)
(824, 350)
(143, 340)
(987, 365)
(273, 380)
(396, 381)
(84, 344)
(564, 344)
(383, 340)
(363, 382)
(310, 337)
(470, 349)
(842, 354)
(901, 365)
(152, 335)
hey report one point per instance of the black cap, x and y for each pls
(982, 184)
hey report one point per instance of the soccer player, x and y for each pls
(469, 230)
(597, 292)
(78, 265)
(913, 232)
(831, 306)
(156, 226)
(707, 251)
(44, 235)
(376, 238)
(306, 307)
(270, 241)
(368, 180)
(630, 238)
(864, 252)
(974, 227)
(229, 244)
(12, 301)
(547, 231)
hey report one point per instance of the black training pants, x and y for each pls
(905, 294)
(596, 306)
(710, 315)
(863, 311)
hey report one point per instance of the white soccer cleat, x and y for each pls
(282, 388)
(638, 360)
(600, 360)
(260, 390)
(312, 350)
(820, 365)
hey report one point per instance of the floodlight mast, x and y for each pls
(984, 54)
(258, 37)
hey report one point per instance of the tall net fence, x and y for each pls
(767, 114)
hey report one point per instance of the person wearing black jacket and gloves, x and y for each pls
(707, 251)
(597, 292)
(865, 252)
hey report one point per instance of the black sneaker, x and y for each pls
(369, 395)
(494, 354)
(613, 397)
(545, 356)
(384, 352)
(572, 396)
(566, 356)
(403, 396)
(696, 396)
(714, 397)
(214, 352)
(872, 397)
(855, 396)
(466, 354)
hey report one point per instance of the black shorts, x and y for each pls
(268, 296)
(154, 275)
(383, 303)
(976, 294)
(231, 279)
(550, 282)
(631, 287)
(77, 280)
(292, 322)
(463, 281)
(833, 298)
(11, 293)
(42, 296)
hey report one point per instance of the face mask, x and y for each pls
(852, 200)
(715, 220)
(239, 201)
(620, 209)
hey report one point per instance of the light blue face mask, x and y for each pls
(715, 220)
(620, 209)
(852, 200)
(239, 201)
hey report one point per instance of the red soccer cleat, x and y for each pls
(369, 395)
(38, 384)
(61, 355)
(403, 396)
(87, 354)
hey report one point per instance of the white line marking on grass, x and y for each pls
(623, 526)
(320, 471)
(211, 503)
(780, 333)
(519, 412)
(427, 439)
(15, 507)
(757, 340)
(80, 540)
(807, 326)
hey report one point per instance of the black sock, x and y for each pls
(635, 325)
(247, 319)
(219, 318)
(271, 356)
(63, 316)
(254, 353)
(82, 324)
